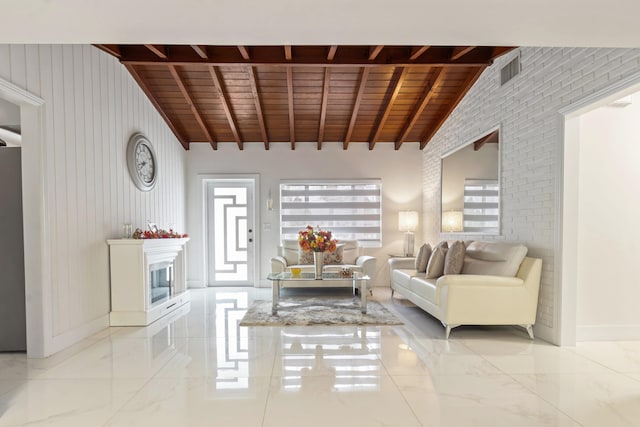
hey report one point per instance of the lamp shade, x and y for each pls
(452, 221)
(407, 220)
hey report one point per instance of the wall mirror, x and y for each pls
(471, 187)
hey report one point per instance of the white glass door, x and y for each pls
(230, 231)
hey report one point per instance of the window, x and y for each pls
(350, 210)
(481, 205)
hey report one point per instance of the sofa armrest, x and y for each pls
(404, 263)
(368, 264)
(278, 264)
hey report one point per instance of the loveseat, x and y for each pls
(498, 285)
(289, 255)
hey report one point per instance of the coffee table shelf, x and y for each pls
(358, 281)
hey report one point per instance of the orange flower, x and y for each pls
(316, 241)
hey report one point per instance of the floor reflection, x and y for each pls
(232, 353)
(346, 359)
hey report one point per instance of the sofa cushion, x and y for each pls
(425, 288)
(402, 277)
(422, 259)
(335, 257)
(454, 260)
(304, 257)
(494, 258)
(435, 267)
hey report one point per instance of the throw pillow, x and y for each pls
(435, 267)
(442, 244)
(424, 253)
(335, 257)
(304, 257)
(454, 260)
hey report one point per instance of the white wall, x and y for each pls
(399, 171)
(531, 140)
(608, 232)
(91, 107)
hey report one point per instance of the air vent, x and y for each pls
(510, 70)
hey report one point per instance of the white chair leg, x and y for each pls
(448, 329)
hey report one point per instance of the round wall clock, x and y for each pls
(141, 161)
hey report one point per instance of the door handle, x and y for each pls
(250, 240)
(250, 230)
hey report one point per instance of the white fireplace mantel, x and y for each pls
(130, 279)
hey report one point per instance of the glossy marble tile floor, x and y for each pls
(199, 368)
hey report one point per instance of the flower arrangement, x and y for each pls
(311, 240)
(159, 234)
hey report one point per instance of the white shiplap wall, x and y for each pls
(528, 110)
(92, 106)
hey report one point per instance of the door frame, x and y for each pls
(566, 244)
(204, 179)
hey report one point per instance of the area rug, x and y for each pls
(318, 311)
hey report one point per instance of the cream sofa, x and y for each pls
(498, 286)
(352, 258)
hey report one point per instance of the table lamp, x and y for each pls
(408, 222)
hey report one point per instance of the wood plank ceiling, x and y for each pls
(274, 94)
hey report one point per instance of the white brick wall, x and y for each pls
(527, 108)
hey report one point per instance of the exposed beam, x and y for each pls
(292, 126)
(349, 56)
(256, 97)
(226, 105)
(417, 51)
(323, 108)
(460, 51)
(394, 88)
(471, 79)
(492, 137)
(332, 53)
(180, 82)
(200, 50)
(158, 50)
(427, 94)
(364, 76)
(111, 49)
(374, 51)
(143, 85)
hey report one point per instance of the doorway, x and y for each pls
(230, 231)
(599, 211)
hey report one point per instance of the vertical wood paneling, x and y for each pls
(92, 106)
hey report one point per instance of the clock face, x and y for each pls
(141, 161)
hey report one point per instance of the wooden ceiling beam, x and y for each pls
(374, 51)
(158, 50)
(364, 76)
(491, 138)
(226, 105)
(244, 51)
(288, 55)
(255, 90)
(200, 50)
(332, 52)
(395, 84)
(460, 51)
(462, 91)
(427, 94)
(111, 49)
(194, 109)
(145, 88)
(417, 51)
(292, 126)
(323, 108)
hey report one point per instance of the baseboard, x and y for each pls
(67, 339)
(607, 332)
(545, 333)
(195, 284)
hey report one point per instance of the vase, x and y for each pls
(318, 262)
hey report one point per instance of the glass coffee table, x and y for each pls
(278, 280)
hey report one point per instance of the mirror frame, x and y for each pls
(455, 150)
